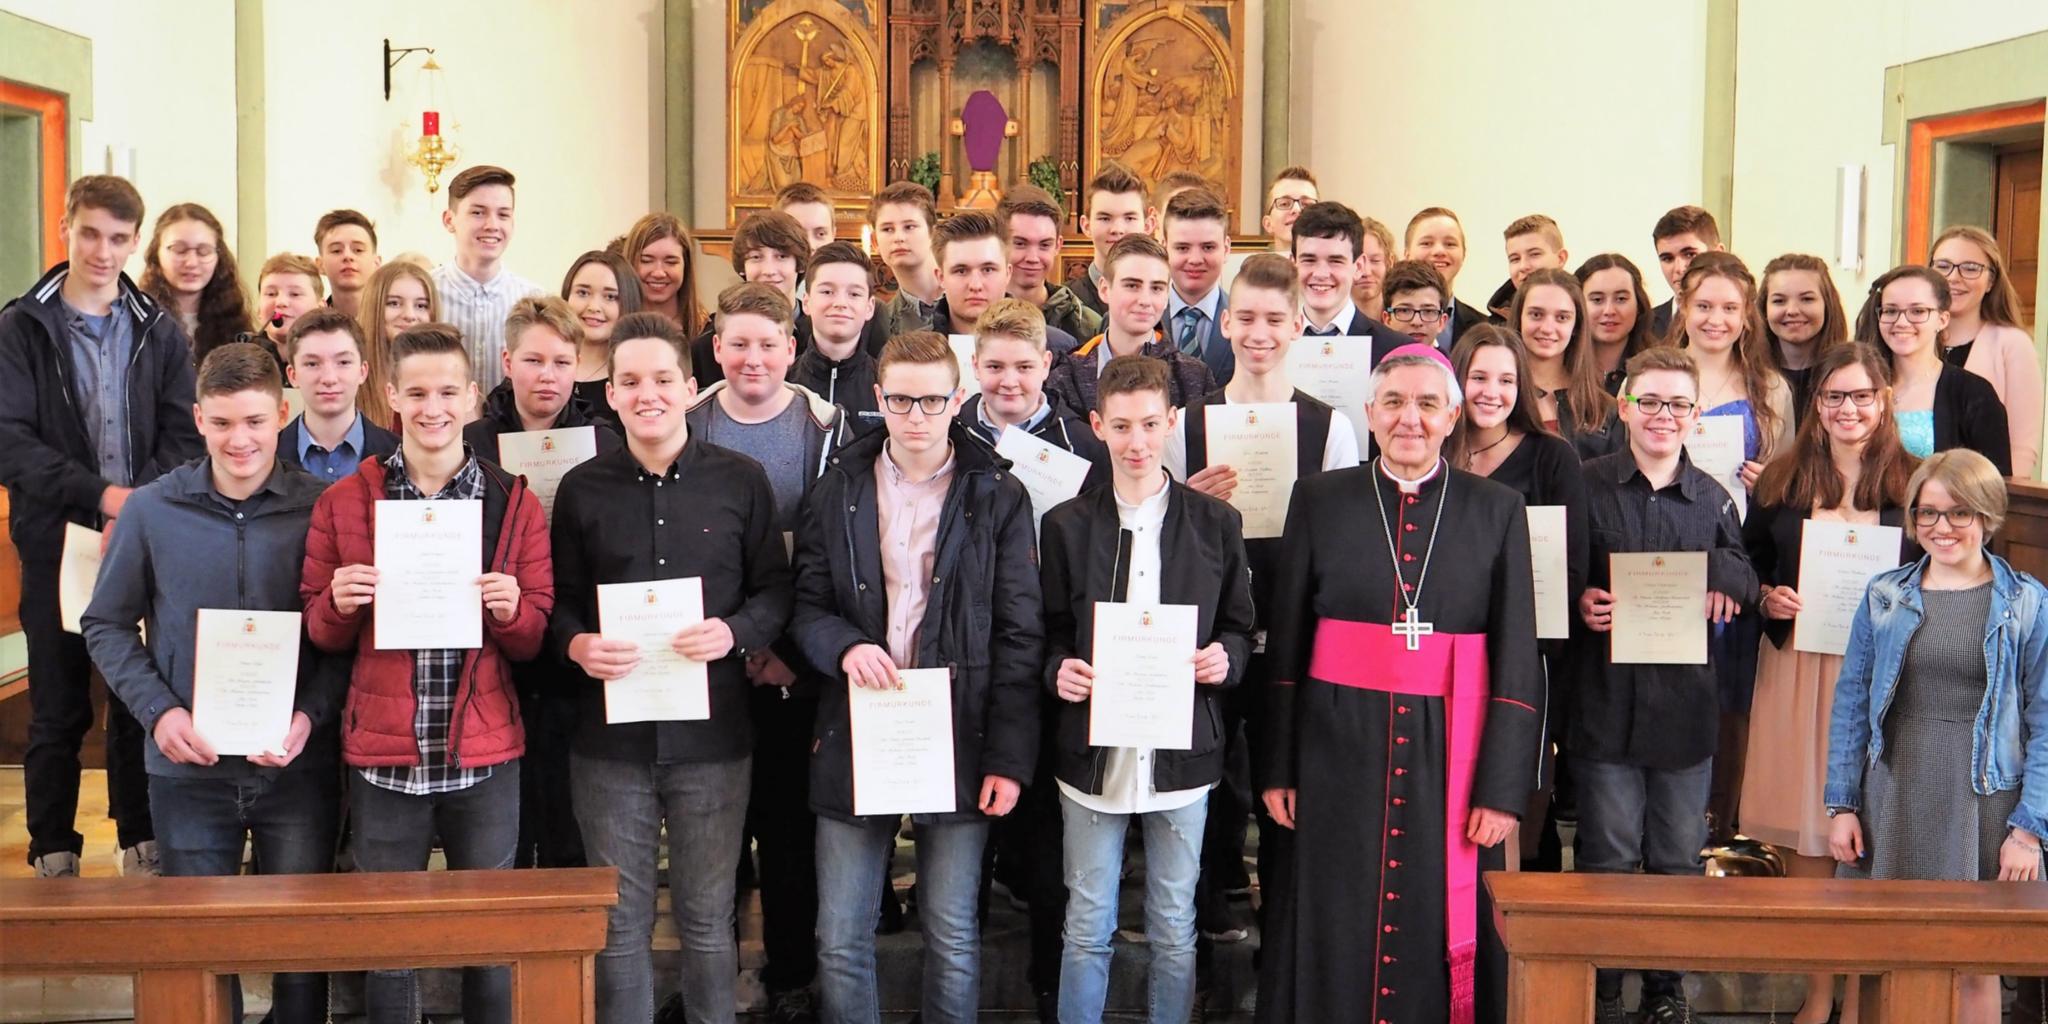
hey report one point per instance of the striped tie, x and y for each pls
(1190, 331)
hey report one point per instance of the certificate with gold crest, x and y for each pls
(1836, 562)
(1258, 441)
(1052, 474)
(543, 457)
(665, 686)
(1338, 373)
(1144, 676)
(245, 676)
(1660, 608)
(902, 742)
(429, 555)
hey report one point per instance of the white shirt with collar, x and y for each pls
(1127, 777)
(1342, 321)
(478, 309)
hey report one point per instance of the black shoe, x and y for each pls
(1671, 1009)
(1198, 1011)
(671, 1011)
(1610, 1011)
(793, 1006)
(1048, 1007)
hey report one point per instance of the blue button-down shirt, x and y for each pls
(331, 464)
(101, 347)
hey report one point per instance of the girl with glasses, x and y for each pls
(1938, 406)
(1845, 466)
(1986, 335)
(1939, 711)
(189, 271)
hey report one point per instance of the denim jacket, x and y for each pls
(2009, 742)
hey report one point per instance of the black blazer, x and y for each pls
(1772, 534)
(1464, 318)
(378, 443)
(1084, 558)
(1660, 320)
(1968, 414)
(1384, 339)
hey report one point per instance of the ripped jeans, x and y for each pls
(1094, 867)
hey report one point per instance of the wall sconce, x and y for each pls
(1850, 184)
(432, 153)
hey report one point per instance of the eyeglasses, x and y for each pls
(1862, 398)
(1426, 314)
(1428, 405)
(1289, 204)
(181, 250)
(930, 405)
(1913, 314)
(1967, 271)
(1958, 518)
(1650, 406)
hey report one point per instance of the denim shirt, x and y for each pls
(2009, 741)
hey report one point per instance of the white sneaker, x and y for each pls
(57, 865)
(141, 860)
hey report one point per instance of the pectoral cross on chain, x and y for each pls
(1411, 629)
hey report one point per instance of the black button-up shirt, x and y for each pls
(711, 515)
(1655, 716)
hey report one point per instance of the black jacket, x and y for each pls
(1062, 429)
(1384, 339)
(1057, 341)
(1074, 375)
(47, 462)
(378, 443)
(501, 416)
(847, 383)
(1084, 289)
(1968, 414)
(1085, 552)
(982, 620)
(704, 356)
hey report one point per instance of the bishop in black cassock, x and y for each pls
(1394, 740)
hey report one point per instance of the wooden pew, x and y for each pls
(180, 937)
(1910, 940)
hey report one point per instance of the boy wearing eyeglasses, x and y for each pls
(1417, 300)
(1643, 736)
(916, 551)
(1293, 189)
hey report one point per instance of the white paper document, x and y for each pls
(665, 686)
(245, 676)
(1051, 473)
(1660, 608)
(1259, 442)
(544, 456)
(76, 574)
(1836, 562)
(1547, 555)
(1338, 373)
(429, 555)
(903, 744)
(963, 352)
(1144, 676)
(1716, 448)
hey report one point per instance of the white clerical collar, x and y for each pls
(1411, 486)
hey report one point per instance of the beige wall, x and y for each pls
(163, 97)
(564, 95)
(1804, 109)
(1499, 110)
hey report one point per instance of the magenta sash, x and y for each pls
(1453, 666)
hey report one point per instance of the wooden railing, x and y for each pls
(1909, 940)
(181, 937)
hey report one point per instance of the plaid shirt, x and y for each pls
(436, 674)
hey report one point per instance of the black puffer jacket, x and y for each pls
(47, 462)
(982, 619)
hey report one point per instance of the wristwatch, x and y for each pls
(1834, 811)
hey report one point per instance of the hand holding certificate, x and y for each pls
(1258, 442)
(1144, 688)
(902, 740)
(663, 686)
(429, 563)
(1052, 474)
(1660, 608)
(1836, 562)
(245, 674)
(545, 456)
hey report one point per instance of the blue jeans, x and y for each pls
(1095, 858)
(620, 806)
(1634, 818)
(291, 817)
(479, 829)
(853, 859)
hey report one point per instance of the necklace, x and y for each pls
(1489, 446)
(1411, 627)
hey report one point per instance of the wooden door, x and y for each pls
(2016, 219)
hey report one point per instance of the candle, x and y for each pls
(430, 123)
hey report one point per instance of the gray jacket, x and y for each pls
(180, 547)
